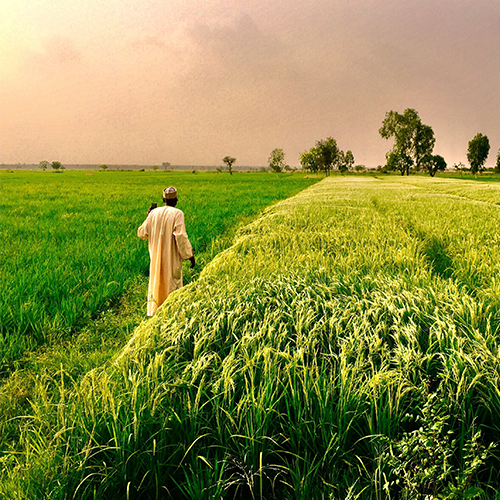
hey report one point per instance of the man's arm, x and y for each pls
(181, 239)
(143, 230)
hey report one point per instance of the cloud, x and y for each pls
(149, 42)
(240, 49)
(53, 53)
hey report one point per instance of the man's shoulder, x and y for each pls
(170, 212)
(176, 211)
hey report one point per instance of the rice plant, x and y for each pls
(347, 334)
(69, 247)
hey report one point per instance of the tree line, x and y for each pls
(414, 144)
(412, 151)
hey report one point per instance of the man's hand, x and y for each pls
(191, 259)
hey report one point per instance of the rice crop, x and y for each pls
(69, 247)
(345, 346)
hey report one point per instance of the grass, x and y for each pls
(70, 250)
(345, 346)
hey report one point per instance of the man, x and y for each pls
(168, 247)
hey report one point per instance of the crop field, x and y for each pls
(345, 346)
(70, 249)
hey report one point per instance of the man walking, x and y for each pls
(168, 247)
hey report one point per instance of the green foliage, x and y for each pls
(103, 167)
(423, 462)
(70, 250)
(44, 165)
(328, 153)
(326, 156)
(288, 368)
(423, 144)
(57, 166)
(276, 161)
(166, 165)
(346, 161)
(434, 164)
(477, 152)
(413, 141)
(399, 161)
(229, 160)
(460, 167)
(310, 160)
(497, 165)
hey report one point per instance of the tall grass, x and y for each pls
(346, 346)
(69, 247)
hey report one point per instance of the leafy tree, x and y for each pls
(166, 165)
(44, 165)
(433, 164)
(497, 166)
(424, 142)
(57, 166)
(155, 167)
(479, 148)
(277, 161)
(399, 161)
(413, 141)
(229, 160)
(310, 160)
(345, 161)
(103, 167)
(328, 153)
(326, 156)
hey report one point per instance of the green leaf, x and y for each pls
(473, 492)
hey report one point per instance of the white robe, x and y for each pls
(168, 247)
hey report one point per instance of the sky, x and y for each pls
(189, 82)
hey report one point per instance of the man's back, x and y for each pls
(168, 247)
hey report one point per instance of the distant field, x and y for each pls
(69, 245)
(346, 346)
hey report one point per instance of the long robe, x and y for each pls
(168, 247)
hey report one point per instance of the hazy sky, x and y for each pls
(190, 81)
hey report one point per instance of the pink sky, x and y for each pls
(188, 82)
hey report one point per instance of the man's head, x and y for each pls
(170, 196)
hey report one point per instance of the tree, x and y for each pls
(328, 153)
(423, 145)
(460, 167)
(413, 141)
(497, 166)
(57, 166)
(277, 161)
(345, 161)
(310, 160)
(103, 167)
(155, 167)
(479, 148)
(44, 165)
(166, 165)
(229, 160)
(399, 161)
(433, 164)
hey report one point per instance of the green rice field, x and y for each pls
(344, 346)
(70, 250)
